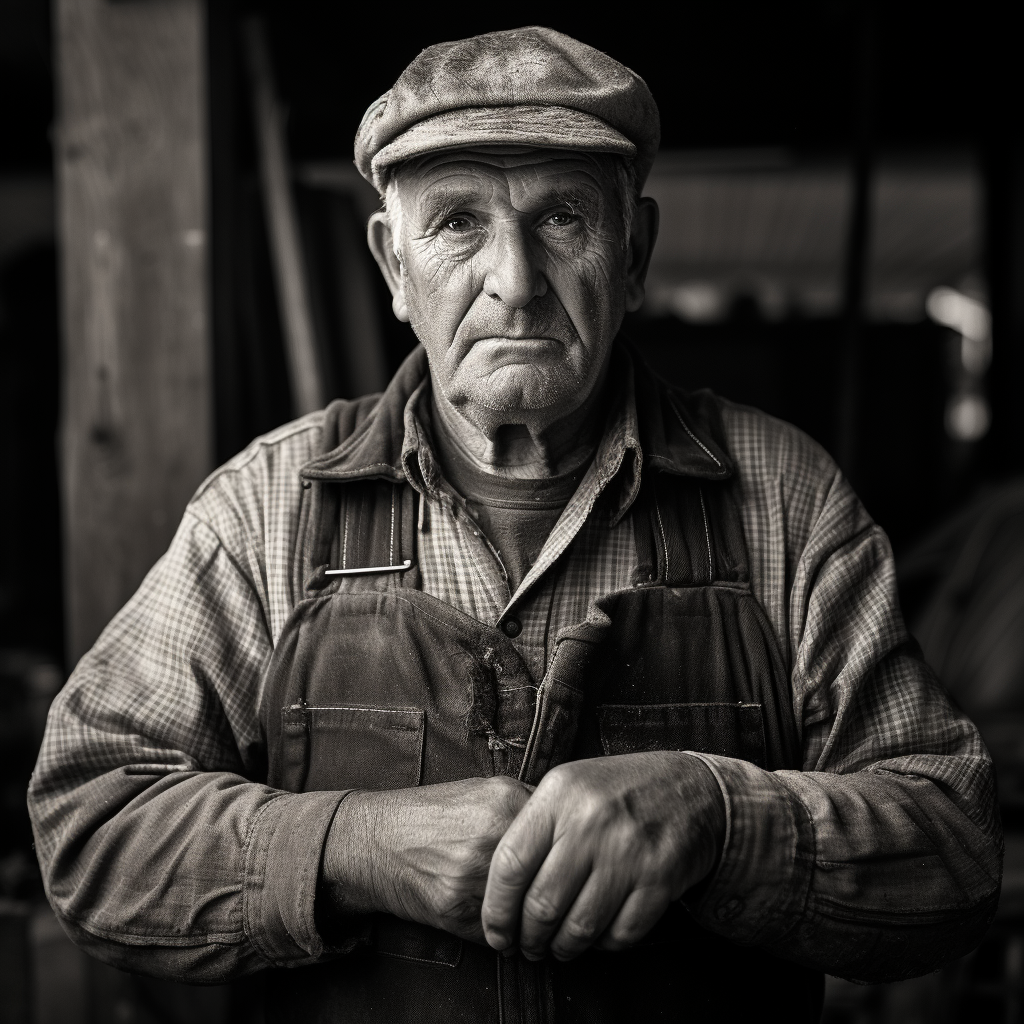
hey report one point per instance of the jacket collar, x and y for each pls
(374, 449)
(680, 433)
(668, 430)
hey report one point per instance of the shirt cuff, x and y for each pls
(764, 875)
(282, 866)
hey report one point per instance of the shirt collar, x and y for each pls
(673, 433)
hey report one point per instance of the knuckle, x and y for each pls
(540, 908)
(630, 928)
(627, 934)
(566, 789)
(495, 822)
(557, 779)
(594, 805)
(508, 864)
(504, 784)
(579, 930)
(508, 796)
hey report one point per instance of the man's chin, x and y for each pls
(526, 388)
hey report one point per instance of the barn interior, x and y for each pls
(183, 267)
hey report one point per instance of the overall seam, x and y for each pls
(343, 707)
(707, 536)
(664, 541)
(344, 543)
(391, 550)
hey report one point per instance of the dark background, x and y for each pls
(831, 78)
(853, 79)
(835, 77)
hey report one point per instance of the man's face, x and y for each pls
(513, 277)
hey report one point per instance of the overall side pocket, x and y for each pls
(355, 747)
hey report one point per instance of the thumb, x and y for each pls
(516, 860)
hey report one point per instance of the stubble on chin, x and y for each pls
(520, 387)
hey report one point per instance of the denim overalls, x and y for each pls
(377, 685)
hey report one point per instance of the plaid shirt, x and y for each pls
(881, 858)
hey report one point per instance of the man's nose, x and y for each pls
(514, 274)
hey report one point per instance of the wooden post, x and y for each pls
(286, 256)
(132, 197)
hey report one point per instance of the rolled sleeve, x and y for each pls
(767, 859)
(881, 859)
(283, 853)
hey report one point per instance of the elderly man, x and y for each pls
(532, 689)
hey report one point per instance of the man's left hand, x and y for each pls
(599, 852)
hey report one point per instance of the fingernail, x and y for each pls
(498, 941)
(532, 956)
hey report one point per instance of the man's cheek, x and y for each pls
(590, 294)
(438, 297)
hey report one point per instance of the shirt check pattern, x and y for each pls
(159, 853)
(587, 554)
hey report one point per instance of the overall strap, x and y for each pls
(686, 520)
(361, 520)
(363, 527)
(688, 532)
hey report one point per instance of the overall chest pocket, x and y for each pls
(734, 730)
(352, 747)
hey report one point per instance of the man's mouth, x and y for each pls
(502, 349)
(495, 352)
(511, 339)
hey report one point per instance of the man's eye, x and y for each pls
(562, 219)
(458, 224)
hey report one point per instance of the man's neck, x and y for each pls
(521, 450)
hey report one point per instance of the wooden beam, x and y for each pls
(290, 273)
(132, 195)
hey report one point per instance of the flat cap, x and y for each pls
(521, 87)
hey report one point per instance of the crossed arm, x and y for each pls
(593, 856)
(160, 854)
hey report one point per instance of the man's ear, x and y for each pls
(642, 237)
(382, 245)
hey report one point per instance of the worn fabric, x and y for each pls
(519, 87)
(162, 849)
(376, 684)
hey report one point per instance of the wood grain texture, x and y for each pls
(137, 430)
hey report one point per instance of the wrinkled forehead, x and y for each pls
(518, 172)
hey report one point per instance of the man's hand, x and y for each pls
(601, 850)
(421, 854)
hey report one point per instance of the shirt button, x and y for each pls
(512, 627)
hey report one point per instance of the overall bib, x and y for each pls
(377, 685)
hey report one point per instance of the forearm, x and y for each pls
(355, 869)
(421, 854)
(882, 858)
(161, 850)
(873, 875)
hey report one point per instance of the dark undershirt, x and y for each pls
(516, 516)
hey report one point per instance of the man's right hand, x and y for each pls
(421, 854)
